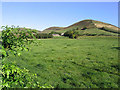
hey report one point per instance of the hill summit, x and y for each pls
(86, 24)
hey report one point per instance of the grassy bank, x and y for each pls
(87, 62)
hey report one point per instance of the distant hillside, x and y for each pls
(87, 26)
(33, 30)
(52, 29)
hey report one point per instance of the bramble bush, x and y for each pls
(13, 76)
(13, 41)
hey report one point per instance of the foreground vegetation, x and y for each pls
(86, 62)
(13, 41)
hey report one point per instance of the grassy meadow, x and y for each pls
(86, 62)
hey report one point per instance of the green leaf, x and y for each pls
(7, 34)
(8, 72)
(19, 54)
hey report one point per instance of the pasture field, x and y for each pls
(86, 62)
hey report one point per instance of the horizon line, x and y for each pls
(59, 26)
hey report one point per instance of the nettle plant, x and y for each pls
(13, 41)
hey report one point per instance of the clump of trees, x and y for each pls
(43, 35)
(53, 32)
(71, 34)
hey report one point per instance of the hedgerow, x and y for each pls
(13, 41)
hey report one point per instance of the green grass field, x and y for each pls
(86, 62)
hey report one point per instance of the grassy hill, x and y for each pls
(52, 29)
(87, 26)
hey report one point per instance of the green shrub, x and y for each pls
(13, 76)
(15, 40)
(71, 34)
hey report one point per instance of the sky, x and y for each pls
(41, 15)
(60, 0)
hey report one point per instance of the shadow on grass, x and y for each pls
(118, 82)
(118, 48)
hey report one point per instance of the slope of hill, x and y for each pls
(33, 30)
(87, 26)
(52, 29)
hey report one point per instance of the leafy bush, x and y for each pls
(13, 40)
(71, 34)
(13, 76)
